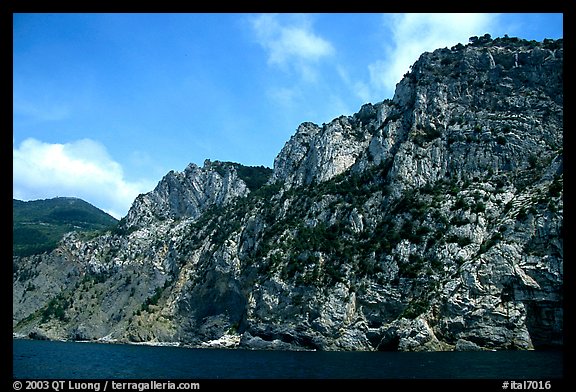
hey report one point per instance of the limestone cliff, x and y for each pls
(429, 221)
(187, 194)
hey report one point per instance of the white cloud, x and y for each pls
(414, 34)
(81, 169)
(291, 45)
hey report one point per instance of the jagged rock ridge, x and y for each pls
(432, 221)
(190, 193)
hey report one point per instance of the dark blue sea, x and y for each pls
(73, 360)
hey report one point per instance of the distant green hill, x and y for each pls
(38, 225)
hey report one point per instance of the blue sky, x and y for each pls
(104, 105)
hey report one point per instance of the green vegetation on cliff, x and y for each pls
(38, 225)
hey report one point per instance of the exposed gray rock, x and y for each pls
(431, 221)
(465, 345)
(316, 154)
(187, 194)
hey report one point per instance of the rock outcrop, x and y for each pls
(187, 194)
(430, 221)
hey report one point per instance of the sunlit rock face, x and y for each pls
(429, 221)
(187, 194)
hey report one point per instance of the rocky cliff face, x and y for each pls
(187, 194)
(431, 221)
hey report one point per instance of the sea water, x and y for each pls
(74, 360)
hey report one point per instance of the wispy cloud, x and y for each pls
(286, 96)
(413, 34)
(40, 112)
(359, 88)
(82, 169)
(291, 43)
